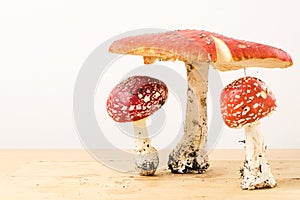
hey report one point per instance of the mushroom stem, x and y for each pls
(146, 159)
(191, 152)
(256, 172)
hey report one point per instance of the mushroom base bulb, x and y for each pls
(146, 162)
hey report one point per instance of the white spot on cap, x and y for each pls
(242, 46)
(238, 105)
(208, 41)
(245, 110)
(131, 108)
(157, 94)
(147, 98)
(138, 107)
(241, 120)
(237, 96)
(255, 105)
(263, 94)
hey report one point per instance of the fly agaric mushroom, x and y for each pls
(133, 100)
(198, 49)
(243, 103)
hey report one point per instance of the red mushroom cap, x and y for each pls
(246, 100)
(135, 98)
(196, 45)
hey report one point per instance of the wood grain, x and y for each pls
(74, 174)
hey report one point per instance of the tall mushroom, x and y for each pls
(133, 100)
(198, 49)
(243, 103)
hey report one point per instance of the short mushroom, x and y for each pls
(133, 100)
(244, 103)
(198, 49)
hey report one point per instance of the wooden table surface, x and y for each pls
(74, 174)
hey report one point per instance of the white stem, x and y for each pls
(256, 171)
(141, 136)
(146, 155)
(191, 152)
(196, 112)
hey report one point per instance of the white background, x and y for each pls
(44, 43)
